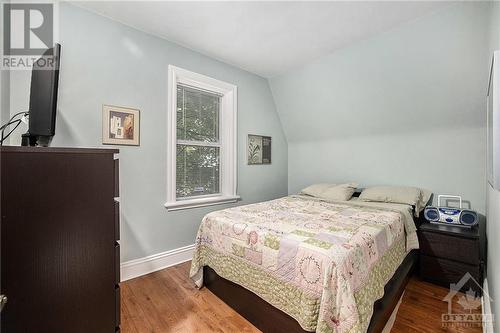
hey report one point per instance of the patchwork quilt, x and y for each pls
(323, 263)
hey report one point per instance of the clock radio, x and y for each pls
(450, 215)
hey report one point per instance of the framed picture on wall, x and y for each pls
(259, 149)
(120, 125)
(493, 123)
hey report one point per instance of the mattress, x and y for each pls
(323, 263)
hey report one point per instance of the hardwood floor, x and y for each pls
(422, 308)
(167, 301)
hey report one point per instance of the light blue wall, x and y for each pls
(493, 202)
(105, 62)
(405, 107)
(378, 112)
(4, 82)
(4, 96)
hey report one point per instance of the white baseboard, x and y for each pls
(486, 304)
(137, 267)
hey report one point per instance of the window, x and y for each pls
(201, 141)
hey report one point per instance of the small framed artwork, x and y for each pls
(120, 125)
(259, 149)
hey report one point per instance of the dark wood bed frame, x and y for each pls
(269, 319)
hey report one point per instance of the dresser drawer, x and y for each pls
(117, 306)
(117, 220)
(444, 272)
(460, 249)
(117, 178)
(117, 263)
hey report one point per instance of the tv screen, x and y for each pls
(43, 94)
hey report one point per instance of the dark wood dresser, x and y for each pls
(60, 259)
(447, 253)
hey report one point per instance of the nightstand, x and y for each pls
(447, 253)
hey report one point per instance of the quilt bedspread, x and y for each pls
(323, 263)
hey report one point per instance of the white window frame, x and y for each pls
(227, 139)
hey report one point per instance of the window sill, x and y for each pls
(200, 202)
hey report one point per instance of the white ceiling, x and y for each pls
(266, 38)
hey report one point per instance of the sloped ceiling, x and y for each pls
(266, 38)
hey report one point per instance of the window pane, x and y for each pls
(197, 115)
(197, 170)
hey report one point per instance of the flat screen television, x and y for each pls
(43, 98)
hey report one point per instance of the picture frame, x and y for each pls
(493, 124)
(258, 149)
(120, 125)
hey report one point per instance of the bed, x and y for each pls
(302, 264)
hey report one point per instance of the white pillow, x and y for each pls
(426, 195)
(332, 192)
(414, 196)
(316, 189)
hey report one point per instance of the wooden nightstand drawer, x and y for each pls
(444, 272)
(460, 249)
